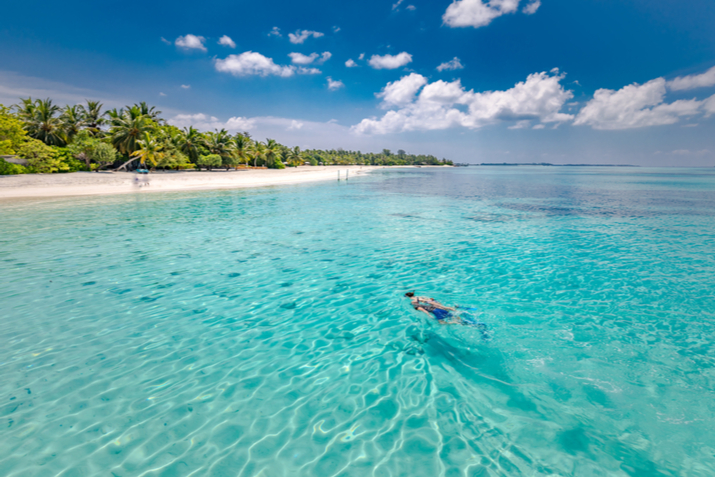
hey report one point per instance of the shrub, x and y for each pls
(174, 159)
(9, 169)
(41, 157)
(89, 149)
(72, 164)
(12, 135)
(103, 154)
(209, 161)
(229, 161)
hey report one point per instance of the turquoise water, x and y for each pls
(264, 332)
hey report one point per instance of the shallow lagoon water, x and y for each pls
(263, 332)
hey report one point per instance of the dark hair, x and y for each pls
(410, 294)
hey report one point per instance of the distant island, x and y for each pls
(540, 164)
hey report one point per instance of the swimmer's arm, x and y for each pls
(423, 310)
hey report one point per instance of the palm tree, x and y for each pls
(71, 121)
(242, 146)
(273, 152)
(92, 117)
(219, 142)
(149, 149)
(189, 141)
(295, 156)
(258, 151)
(127, 130)
(149, 111)
(45, 123)
(26, 109)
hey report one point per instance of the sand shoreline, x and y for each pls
(26, 186)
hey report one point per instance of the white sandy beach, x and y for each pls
(107, 183)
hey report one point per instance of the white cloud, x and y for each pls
(186, 86)
(308, 71)
(275, 31)
(204, 122)
(474, 13)
(531, 7)
(226, 41)
(302, 35)
(295, 125)
(361, 56)
(397, 4)
(165, 41)
(441, 105)
(636, 106)
(334, 85)
(161, 94)
(692, 81)
(390, 62)
(336, 29)
(451, 65)
(351, 64)
(301, 59)
(191, 42)
(251, 63)
(410, 7)
(402, 92)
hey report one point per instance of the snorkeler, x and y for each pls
(429, 306)
(447, 315)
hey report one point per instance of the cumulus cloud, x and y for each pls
(301, 59)
(531, 7)
(451, 65)
(191, 42)
(302, 35)
(475, 13)
(351, 64)
(205, 122)
(692, 81)
(186, 86)
(226, 41)
(417, 105)
(361, 56)
(410, 7)
(275, 31)
(334, 85)
(636, 106)
(390, 62)
(402, 92)
(251, 63)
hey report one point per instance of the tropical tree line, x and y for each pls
(85, 137)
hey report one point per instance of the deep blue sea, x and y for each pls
(264, 332)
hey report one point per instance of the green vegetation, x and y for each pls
(83, 137)
(8, 168)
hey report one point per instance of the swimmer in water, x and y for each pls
(444, 314)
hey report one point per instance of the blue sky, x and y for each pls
(594, 81)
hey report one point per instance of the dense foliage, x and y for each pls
(83, 137)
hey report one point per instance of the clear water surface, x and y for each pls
(264, 332)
